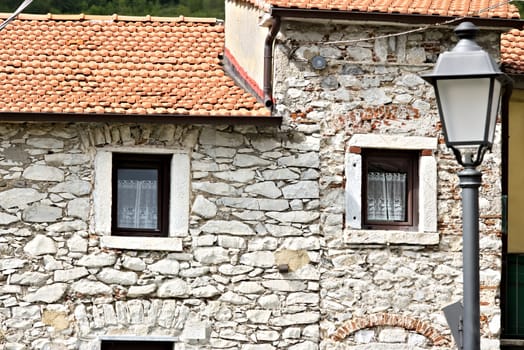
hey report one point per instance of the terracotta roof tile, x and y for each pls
(512, 51)
(132, 65)
(469, 8)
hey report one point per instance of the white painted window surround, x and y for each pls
(426, 232)
(178, 201)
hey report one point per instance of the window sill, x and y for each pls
(169, 244)
(138, 338)
(390, 237)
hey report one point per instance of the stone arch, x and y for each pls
(392, 320)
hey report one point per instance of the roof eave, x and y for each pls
(393, 17)
(179, 119)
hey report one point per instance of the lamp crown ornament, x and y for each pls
(467, 32)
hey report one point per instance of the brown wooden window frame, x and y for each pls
(159, 162)
(401, 161)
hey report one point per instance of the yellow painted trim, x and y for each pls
(516, 173)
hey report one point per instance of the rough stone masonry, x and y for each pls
(260, 198)
(254, 205)
(372, 86)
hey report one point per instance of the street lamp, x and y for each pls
(468, 87)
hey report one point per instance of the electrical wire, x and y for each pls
(419, 29)
(16, 13)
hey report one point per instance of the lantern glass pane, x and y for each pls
(463, 109)
(495, 105)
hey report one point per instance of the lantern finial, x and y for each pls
(466, 32)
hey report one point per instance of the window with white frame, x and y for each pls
(141, 193)
(141, 186)
(391, 189)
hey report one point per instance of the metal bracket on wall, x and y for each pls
(453, 313)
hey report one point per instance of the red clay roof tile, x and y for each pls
(512, 51)
(131, 65)
(469, 8)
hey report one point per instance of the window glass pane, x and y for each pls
(515, 296)
(386, 196)
(137, 193)
(136, 345)
(376, 196)
(396, 196)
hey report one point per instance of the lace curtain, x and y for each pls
(137, 203)
(386, 196)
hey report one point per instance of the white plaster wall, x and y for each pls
(245, 39)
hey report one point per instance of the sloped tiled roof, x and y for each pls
(512, 51)
(462, 8)
(123, 65)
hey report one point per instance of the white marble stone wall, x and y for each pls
(254, 205)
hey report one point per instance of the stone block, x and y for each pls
(393, 335)
(43, 173)
(40, 245)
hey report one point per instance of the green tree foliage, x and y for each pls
(520, 6)
(188, 8)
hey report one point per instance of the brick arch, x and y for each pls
(392, 320)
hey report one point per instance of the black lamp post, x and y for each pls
(469, 86)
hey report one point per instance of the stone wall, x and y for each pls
(254, 206)
(267, 261)
(372, 85)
